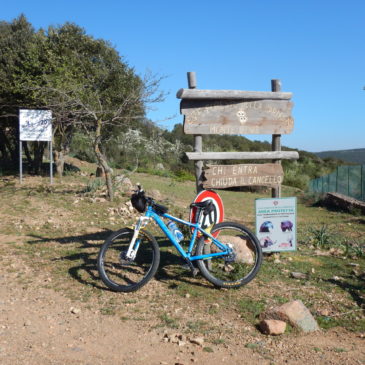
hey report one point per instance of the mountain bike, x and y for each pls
(227, 254)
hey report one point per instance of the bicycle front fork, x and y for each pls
(133, 246)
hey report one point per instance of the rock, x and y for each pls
(295, 313)
(74, 310)
(298, 275)
(99, 172)
(336, 200)
(197, 341)
(27, 323)
(321, 253)
(323, 312)
(272, 327)
(353, 264)
(129, 206)
(177, 338)
(244, 252)
(124, 183)
(100, 200)
(160, 166)
(336, 251)
(155, 194)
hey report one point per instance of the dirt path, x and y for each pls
(41, 326)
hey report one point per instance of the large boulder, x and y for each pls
(123, 183)
(295, 313)
(242, 247)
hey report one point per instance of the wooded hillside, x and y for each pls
(99, 106)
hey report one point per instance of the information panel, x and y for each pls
(276, 224)
(35, 125)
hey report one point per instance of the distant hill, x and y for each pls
(355, 156)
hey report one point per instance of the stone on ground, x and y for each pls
(295, 313)
(243, 250)
(272, 327)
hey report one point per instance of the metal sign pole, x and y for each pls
(20, 161)
(51, 161)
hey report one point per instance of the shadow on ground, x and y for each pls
(86, 247)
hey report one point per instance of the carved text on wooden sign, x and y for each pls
(225, 176)
(237, 116)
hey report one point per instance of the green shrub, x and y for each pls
(94, 185)
(321, 237)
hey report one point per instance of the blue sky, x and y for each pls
(316, 48)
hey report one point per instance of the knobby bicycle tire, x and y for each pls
(235, 270)
(121, 274)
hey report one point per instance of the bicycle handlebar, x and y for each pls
(140, 202)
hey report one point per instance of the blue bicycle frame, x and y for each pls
(150, 213)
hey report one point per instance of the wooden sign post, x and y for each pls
(198, 141)
(235, 112)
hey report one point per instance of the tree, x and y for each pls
(16, 40)
(83, 80)
(101, 94)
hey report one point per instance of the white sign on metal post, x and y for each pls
(35, 125)
(276, 224)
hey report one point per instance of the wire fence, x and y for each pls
(346, 180)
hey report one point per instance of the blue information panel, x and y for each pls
(276, 224)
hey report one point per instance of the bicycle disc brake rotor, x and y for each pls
(124, 260)
(231, 257)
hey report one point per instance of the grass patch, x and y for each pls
(250, 308)
(197, 326)
(169, 321)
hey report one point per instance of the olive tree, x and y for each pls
(83, 80)
(101, 94)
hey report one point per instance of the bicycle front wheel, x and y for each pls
(122, 274)
(236, 269)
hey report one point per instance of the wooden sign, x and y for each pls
(225, 176)
(206, 116)
(200, 94)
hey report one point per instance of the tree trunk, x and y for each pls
(38, 156)
(103, 162)
(59, 160)
(27, 153)
(3, 150)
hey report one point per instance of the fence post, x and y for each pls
(362, 182)
(348, 180)
(276, 141)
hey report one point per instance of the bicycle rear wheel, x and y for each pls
(237, 269)
(122, 274)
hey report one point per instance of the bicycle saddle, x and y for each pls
(201, 205)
